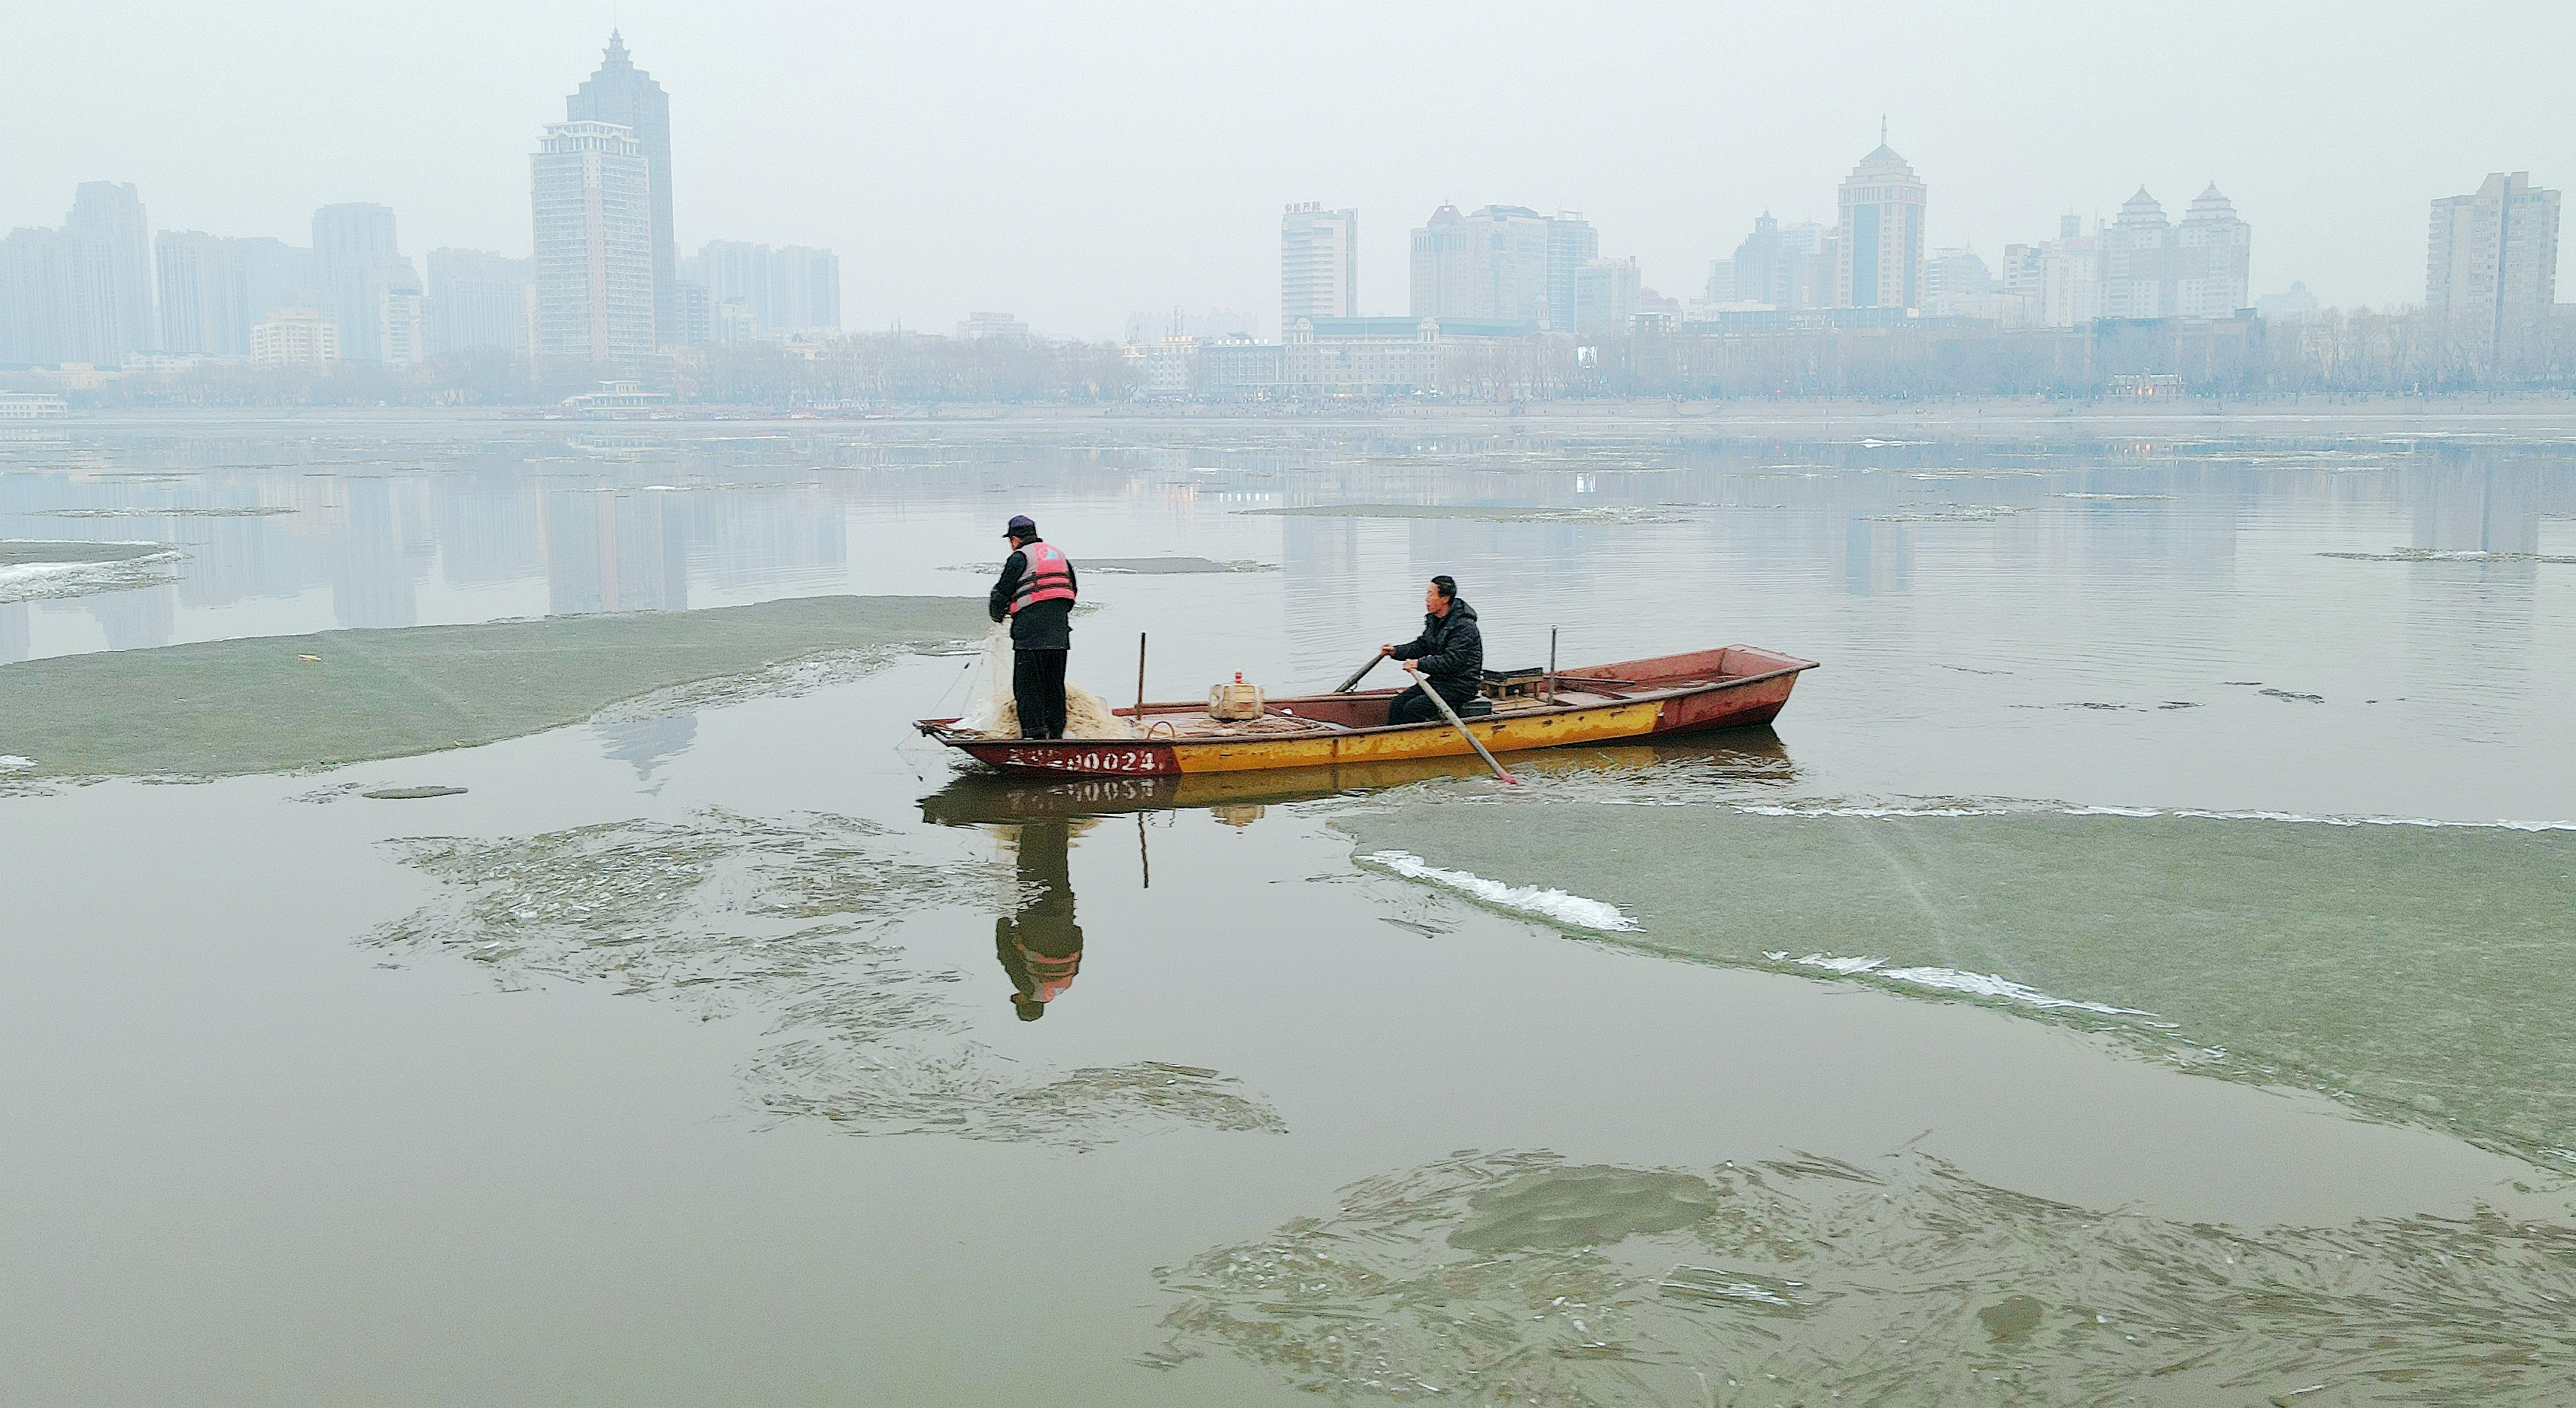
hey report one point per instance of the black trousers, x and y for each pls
(1415, 707)
(1037, 687)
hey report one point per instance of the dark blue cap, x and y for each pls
(1021, 526)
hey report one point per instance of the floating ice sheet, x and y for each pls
(1901, 1283)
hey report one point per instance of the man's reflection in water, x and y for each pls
(1040, 946)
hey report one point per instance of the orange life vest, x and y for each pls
(1047, 577)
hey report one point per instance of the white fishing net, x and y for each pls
(991, 711)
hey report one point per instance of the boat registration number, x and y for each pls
(1108, 760)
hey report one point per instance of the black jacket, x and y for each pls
(1450, 651)
(1040, 625)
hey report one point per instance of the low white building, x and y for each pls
(295, 337)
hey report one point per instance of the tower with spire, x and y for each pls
(622, 94)
(1879, 254)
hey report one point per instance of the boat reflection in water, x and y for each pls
(1039, 943)
(1753, 755)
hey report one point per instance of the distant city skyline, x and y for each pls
(818, 125)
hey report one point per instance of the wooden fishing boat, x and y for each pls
(984, 798)
(1627, 701)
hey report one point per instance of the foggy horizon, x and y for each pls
(1074, 170)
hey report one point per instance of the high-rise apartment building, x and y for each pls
(1572, 246)
(354, 263)
(2058, 282)
(1777, 265)
(1504, 263)
(1879, 258)
(279, 275)
(737, 276)
(804, 289)
(402, 324)
(112, 213)
(2491, 276)
(592, 198)
(788, 289)
(57, 299)
(1319, 263)
(622, 94)
(1605, 297)
(477, 301)
(204, 294)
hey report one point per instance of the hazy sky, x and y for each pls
(1073, 163)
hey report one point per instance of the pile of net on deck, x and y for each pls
(992, 712)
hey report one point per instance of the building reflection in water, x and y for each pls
(376, 575)
(615, 552)
(17, 639)
(1039, 943)
(646, 744)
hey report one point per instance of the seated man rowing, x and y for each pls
(1448, 656)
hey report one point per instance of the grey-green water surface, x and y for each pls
(695, 1036)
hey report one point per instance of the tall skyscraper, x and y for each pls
(1879, 262)
(477, 301)
(627, 96)
(111, 212)
(1319, 263)
(592, 197)
(205, 294)
(354, 259)
(2491, 275)
(1504, 262)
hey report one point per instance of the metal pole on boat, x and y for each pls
(1551, 664)
(1472, 740)
(1140, 679)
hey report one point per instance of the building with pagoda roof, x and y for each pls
(2153, 268)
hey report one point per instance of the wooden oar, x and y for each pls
(1359, 674)
(1459, 724)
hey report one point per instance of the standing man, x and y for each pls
(1448, 656)
(1037, 593)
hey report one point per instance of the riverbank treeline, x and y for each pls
(2337, 353)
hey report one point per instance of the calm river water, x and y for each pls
(2136, 967)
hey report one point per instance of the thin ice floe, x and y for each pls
(1954, 980)
(1529, 899)
(51, 580)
